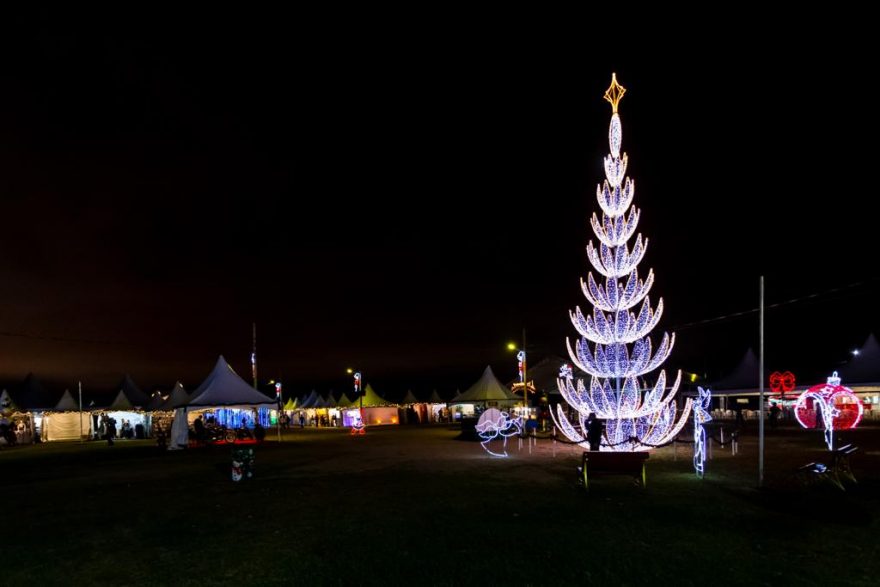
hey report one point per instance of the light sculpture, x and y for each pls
(614, 347)
(494, 423)
(838, 406)
(701, 416)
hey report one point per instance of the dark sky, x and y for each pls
(407, 202)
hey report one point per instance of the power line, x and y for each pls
(797, 300)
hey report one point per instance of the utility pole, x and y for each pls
(761, 387)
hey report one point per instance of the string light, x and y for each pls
(614, 347)
(701, 416)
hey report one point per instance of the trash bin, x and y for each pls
(242, 463)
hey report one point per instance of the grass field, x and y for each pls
(410, 505)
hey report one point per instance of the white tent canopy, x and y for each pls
(121, 403)
(132, 394)
(223, 387)
(179, 430)
(66, 403)
(487, 388)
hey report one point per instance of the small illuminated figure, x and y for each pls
(701, 416)
(494, 423)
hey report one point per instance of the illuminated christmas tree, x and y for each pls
(615, 348)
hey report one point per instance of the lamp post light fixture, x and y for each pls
(358, 378)
(523, 377)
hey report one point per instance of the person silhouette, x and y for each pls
(774, 414)
(594, 431)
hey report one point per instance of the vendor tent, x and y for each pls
(223, 387)
(66, 403)
(65, 422)
(864, 367)
(132, 393)
(409, 398)
(176, 399)
(7, 404)
(156, 401)
(744, 376)
(486, 389)
(31, 396)
(309, 401)
(371, 398)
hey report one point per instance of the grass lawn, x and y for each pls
(412, 505)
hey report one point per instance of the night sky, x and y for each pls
(408, 202)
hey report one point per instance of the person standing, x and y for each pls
(774, 415)
(594, 431)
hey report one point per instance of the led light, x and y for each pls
(701, 416)
(614, 346)
(841, 409)
(493, 424)
(565, 371)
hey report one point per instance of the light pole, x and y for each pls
(357, 390)
(280, 400)
(523, 377)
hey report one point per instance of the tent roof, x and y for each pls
(544, 374)
(31, 395)
(178, 398)
(133, 393)
(223, 387)
(343, 402)
(6, 402)
(290, 404)
(121, 402)
(487, 388)
(435, 398)
(310, 400)
(156, 401)
(371, 398)
(744, 376)
(330, 402)
(66, 403)
(410, 398)
(863, 367)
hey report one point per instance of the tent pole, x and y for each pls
(80, 411)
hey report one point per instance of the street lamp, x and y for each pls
(357, 390)
(523, 376)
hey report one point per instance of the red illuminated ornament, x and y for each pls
(782, 382)
(836, 403)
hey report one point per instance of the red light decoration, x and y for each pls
(845, 405)
(782, 382)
